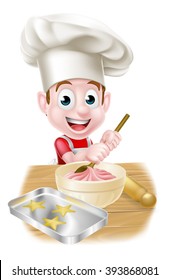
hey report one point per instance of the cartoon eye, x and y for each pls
(66, 99)
(91, 98)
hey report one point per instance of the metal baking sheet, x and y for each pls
(84, 221)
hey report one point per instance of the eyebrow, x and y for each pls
(95, 83)
(63, 83)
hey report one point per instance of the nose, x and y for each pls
(83, 110)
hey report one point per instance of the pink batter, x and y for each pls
(90, 174)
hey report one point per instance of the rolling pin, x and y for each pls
(137, 192)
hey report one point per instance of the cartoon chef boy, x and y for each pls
(73, 54)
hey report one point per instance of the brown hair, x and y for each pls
(67, 82)
(48, 96)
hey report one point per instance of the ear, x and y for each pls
(42, 101)
(106, 102)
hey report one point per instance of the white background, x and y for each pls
(27, 138)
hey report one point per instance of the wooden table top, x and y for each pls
(126, 217)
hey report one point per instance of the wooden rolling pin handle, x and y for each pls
(139, 193)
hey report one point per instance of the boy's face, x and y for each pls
(76, 107)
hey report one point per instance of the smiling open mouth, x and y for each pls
(77, 125)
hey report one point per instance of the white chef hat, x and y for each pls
(68, 46)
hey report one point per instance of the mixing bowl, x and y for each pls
(98, 193)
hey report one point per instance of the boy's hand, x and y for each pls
(111, 139)
(97, 152)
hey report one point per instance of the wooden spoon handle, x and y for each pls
(122, 122)
(92, 164)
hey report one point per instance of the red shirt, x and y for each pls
(63, 146)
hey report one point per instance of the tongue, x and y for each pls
(78, 127)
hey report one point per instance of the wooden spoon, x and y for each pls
(91, 164)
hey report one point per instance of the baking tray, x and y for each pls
(82, 221)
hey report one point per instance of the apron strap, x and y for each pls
(88, 142)
(70, 143)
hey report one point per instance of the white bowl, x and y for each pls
(98, 193)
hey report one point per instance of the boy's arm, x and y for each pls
(95, 153)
